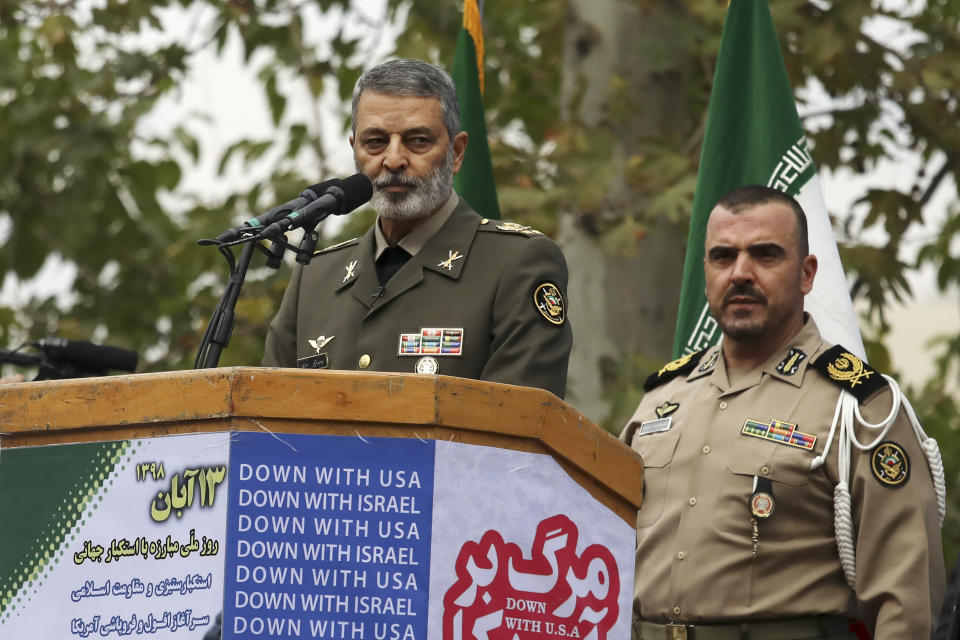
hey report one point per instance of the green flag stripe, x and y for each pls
(752, 123)
(475, 182)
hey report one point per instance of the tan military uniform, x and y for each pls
(695, 559)
(494, 290)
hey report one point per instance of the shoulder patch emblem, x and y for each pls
(549, 302)
(849, 372)
(339, 245)
(791, 364)
(890, 464)
(667, 408)
(518, 228)
(673, 369)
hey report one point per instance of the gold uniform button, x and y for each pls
(764, 470)
(693, 502)
(706, 449)
(723, 405)
(364, 361)
(676, 611)
(681, 555)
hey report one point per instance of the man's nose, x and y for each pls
(743, 268)
(395, 157)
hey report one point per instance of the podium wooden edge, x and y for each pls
(330, 402)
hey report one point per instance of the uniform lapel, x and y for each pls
(362, 278)
(445, 253)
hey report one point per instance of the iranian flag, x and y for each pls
(753, 136)
(474, 183)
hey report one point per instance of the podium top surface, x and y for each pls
(248, 398)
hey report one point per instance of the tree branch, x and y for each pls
(948, 164)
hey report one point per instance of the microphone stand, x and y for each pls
(218, 332)
(216, 337)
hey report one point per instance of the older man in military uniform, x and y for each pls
(432, 287)
(761, 519)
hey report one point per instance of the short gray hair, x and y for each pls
(406, 77)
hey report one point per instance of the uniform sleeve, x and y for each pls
(526, 348)
(281, 346)
(900, 570)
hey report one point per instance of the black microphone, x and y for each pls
(339, 199)
(253, 225)
(88, 356)
(18, 359)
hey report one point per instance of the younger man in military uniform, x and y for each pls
(737, 535)
(431, 287)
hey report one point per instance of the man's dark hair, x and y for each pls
(406, 77)
(751, 195)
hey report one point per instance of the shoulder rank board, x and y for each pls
(673, 369)
(849, 372)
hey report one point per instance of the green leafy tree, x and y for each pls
(83, 181)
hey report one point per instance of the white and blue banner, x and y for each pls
(317, 536)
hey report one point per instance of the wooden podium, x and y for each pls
(286, 411)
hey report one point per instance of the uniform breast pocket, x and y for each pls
(788, 472)
(657, 451)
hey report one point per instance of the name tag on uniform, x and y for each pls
(318, 361)
(654, 426)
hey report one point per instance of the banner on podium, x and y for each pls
(311, 536)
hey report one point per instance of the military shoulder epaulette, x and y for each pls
(673, 369)
(339, 245)
(849, 372)
(510, 227)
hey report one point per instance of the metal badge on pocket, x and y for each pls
(654, 426)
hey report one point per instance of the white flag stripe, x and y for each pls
(829, 302)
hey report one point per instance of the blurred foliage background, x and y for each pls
(100, 200)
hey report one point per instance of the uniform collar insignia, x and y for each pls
(710, 362)
(452, 257)
(667, 408)
(791, 363)
(351, 271)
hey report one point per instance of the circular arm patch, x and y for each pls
(890, 464)
(549, 302)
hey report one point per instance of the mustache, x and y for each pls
(394, 180)
(744, 289)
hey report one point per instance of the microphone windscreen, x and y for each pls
(317, 190)
(88, 355)
(357, 190)
(19, 359)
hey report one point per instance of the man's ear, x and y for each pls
(808, 271)
(459, 149)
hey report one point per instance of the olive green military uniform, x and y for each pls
(480, 299)
(695, 536)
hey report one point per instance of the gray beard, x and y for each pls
(428, 193)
